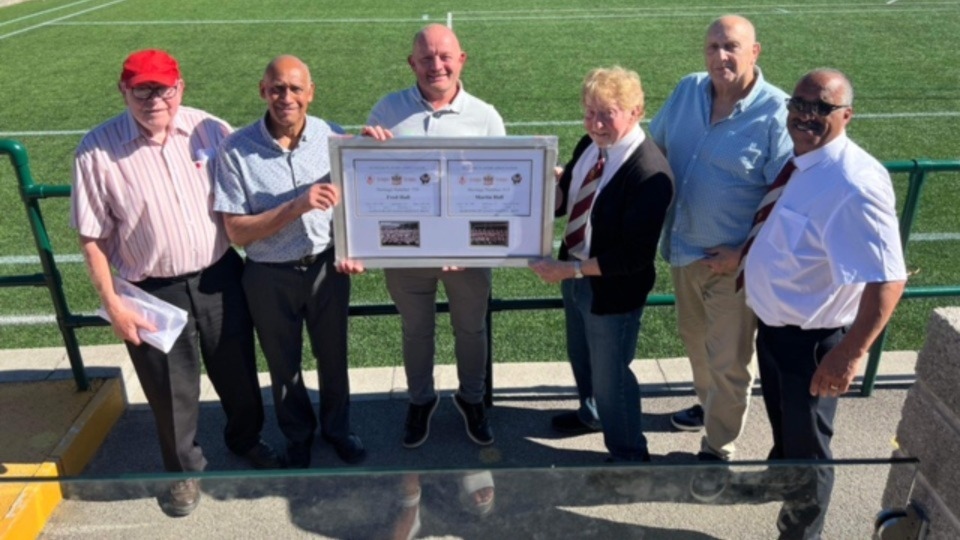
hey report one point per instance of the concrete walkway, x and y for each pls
(547, 486)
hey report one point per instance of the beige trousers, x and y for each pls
(717, 329)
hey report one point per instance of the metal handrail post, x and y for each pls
(29, 194)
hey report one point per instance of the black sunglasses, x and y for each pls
(818, 107)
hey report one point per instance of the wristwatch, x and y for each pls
(576, 270)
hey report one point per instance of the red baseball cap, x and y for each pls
(150, 66)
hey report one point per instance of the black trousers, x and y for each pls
(802, 424)
(219, 330)
(285, 297)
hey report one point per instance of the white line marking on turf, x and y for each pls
(934, 237)
(24, 320)
(33, 259)
(553, 14)
(55, 21)
(186, 22)
(891, 2)
(709, 8)
(37, 14)
(535, 123)
(42, 133)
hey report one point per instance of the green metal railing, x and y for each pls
(31, 194)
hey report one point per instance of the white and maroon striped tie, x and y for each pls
(766, 206)
(576, 231)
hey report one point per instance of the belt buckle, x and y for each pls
(307, 260)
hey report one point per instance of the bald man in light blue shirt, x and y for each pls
(723, 132)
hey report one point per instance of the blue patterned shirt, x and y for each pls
(255, 174)
(722, 170)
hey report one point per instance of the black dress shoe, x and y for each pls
(349, 449)
(298, 455)
(261, 456)
(475, 418)
(417, 427)
(569, 423)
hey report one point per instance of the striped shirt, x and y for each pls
(150, 203)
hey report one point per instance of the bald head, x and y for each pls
(288, 90)
(285, 63)
(734, 24)
(437, 60)
(730, 51)
(434, 33)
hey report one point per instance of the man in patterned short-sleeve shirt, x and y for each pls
(274, 192)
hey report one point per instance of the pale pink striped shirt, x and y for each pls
(152, 203)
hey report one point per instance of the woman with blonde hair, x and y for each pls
(615, 192)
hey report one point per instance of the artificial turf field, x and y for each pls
(61, 61)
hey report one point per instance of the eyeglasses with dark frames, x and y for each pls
(818, 107)
(145, 93)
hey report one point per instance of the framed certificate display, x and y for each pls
(444, 201)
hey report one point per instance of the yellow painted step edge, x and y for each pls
(37, 501)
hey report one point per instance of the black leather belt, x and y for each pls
(161, 281)
(302, 262)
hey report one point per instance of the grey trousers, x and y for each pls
(414, 291)
(283, 298)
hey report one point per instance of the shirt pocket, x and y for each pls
(737, 154)
(786, 228)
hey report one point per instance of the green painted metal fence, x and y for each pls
(31, 194)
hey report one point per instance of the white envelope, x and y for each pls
(166, 317)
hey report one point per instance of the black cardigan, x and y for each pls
(626, 220)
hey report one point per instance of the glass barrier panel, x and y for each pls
(737, 500)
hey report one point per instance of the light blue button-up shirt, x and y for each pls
(722, 170)
(255, 174)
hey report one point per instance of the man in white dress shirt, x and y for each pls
(823, 275)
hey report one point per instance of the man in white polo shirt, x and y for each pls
(438, 106)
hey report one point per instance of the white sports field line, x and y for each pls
(44, 12)
(572, 14)
(535, 123)
(61, 19)
(520, 15)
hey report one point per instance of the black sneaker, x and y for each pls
(181, 498)
(569, 423)
(417, 428)
(688, 419)
(475, 418)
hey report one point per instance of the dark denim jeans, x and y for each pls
(600, 348)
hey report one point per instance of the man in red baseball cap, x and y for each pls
(141, 204)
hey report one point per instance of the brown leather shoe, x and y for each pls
(181, 498)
